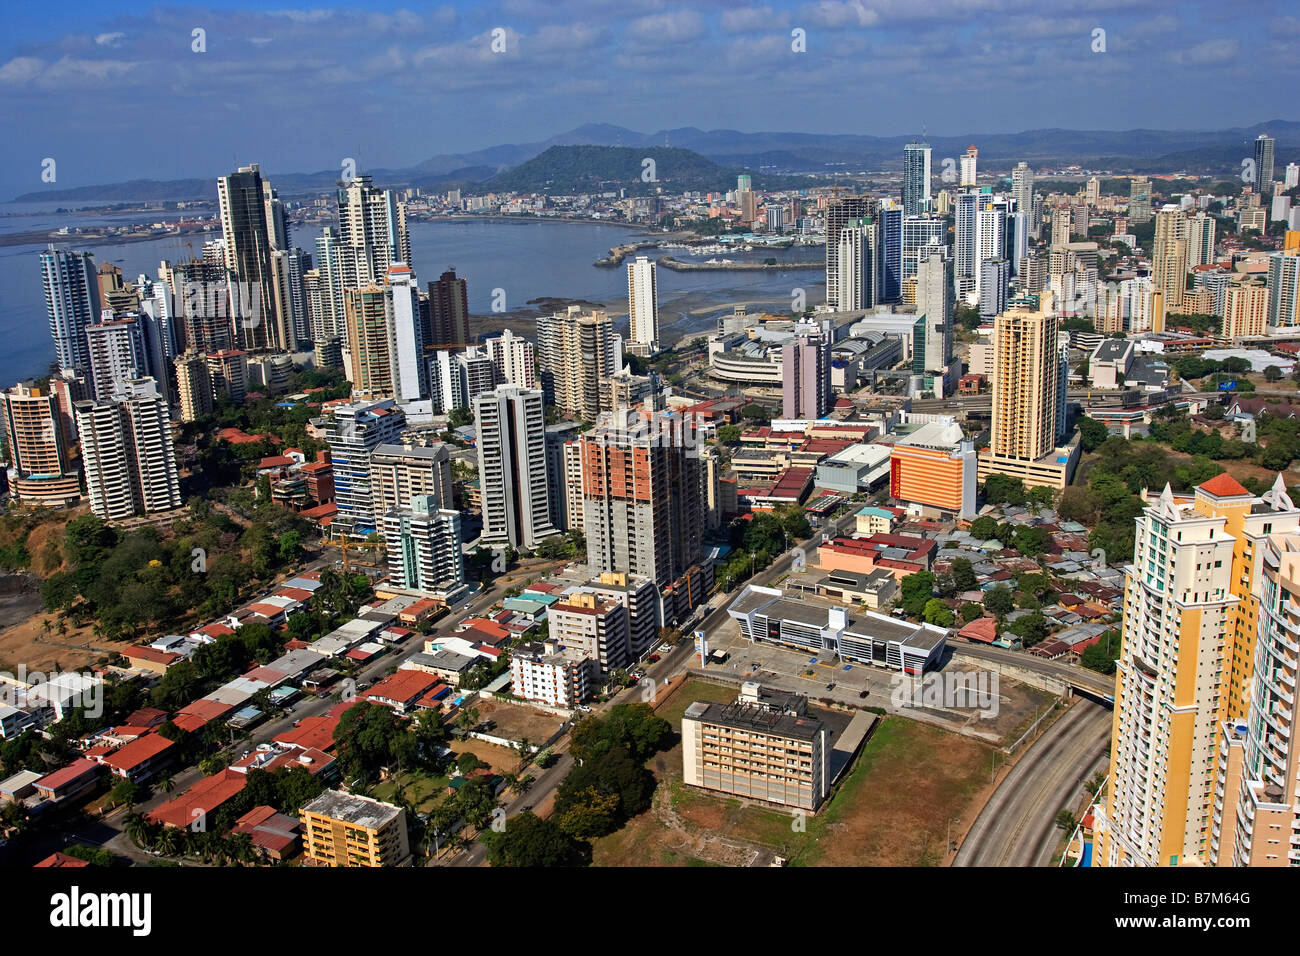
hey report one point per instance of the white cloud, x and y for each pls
(109, 39)
(1209, 53)
(21, 69)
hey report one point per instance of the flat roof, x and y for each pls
(349, 808)
(740, 716)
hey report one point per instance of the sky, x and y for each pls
(111, 96)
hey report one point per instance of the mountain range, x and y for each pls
(770, 154)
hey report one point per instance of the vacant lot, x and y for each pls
(891, 810)
(500, 759)
(514, 722)
(423, 791)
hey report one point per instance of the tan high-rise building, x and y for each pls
(228, 371)
(1245, 309)
(371, 341)
(1027, 388)
(194, 385)
(400, 473)
(38, 449)
(576, 351)
(341, 829)
(1169, 256)
(1192, 630)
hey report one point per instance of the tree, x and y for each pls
(591, 814)
(1065, 821)
(1031, 628)
(126, 794)
(1272, 374)
(936, 612)
(999, 601)
(728, 434)
(530, 841)
(970, 611)
(984, 528)
(963, 574)
(915, 592)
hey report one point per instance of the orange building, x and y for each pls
(932, 472)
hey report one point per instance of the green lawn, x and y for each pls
(423, 791)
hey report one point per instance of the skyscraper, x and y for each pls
(372, 232)
(995, 274)
(371, 341)
(352, 432)
(967, 245)
(839, 213)
(1025, 397)
(411, 370)
(1169, 256)
(643, 306)
(576, 352)
(1284, 290)
(330, 317)
(968, 164)
(1197, 606)
(193, 386)
(424, 547)
(117, 353)
(1139, 199)
(257, 314)
(934, 302)
(38, 447)
(1022, 191)
(890, 286)
(449, 312)
(512, 466)
(805, 376)
(642, 509)
(514, 359)
(127, 452)
(401, 473)
(1264, 163)
(916, 178)
(859, 265)
(71, 303)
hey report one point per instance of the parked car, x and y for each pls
(653, 658)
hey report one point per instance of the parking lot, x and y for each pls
(802, 672)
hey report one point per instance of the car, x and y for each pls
(654, 658)
(830, 686)
(862, 694)
(525, 808)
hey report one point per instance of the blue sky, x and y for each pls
(115, 96)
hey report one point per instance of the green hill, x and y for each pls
(585, 169)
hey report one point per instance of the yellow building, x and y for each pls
(1191, 615)
(1255, 816)
(1245, 309)
(341, 829)
(371, 341)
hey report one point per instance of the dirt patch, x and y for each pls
(514, 722)
(32, 644)
(500, 759)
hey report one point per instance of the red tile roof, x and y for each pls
(1223, 486)
(311, 732)
(199, 713)
(62, 859)
(201, 799)
(65, 775)
(137, 752)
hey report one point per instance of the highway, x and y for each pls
(1017, 826)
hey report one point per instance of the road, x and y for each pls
(1080, 676)
(1017, 826)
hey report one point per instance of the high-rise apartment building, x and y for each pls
(1245, 309)
(72, 304)
(922, 237)
(514, 359)
(642, 508)
(127, 452)
(401, 473)
(38, 446)
(371, 344)
(328, 312)
(890, 258)
(1022, 192)
(593, 627)
(806, 376)
(193, 386)
(256, 311)
(859, 266)
(839, 213)
(643, 306)
(1198, 609)
(1026, 396)
(117, 353)
(968, 166)
(995, 277)
(228, 372)
(424, 547)
(1284, 290)
(410, 369)
(353, 432)
(512, 466)
(576, 351)
(1169, 256)
(449, 312)
(966, 244)
(916, 179)
(372, 233)
(1264, 163)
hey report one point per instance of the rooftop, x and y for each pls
(349, 808)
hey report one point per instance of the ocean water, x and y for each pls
(525, 260)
